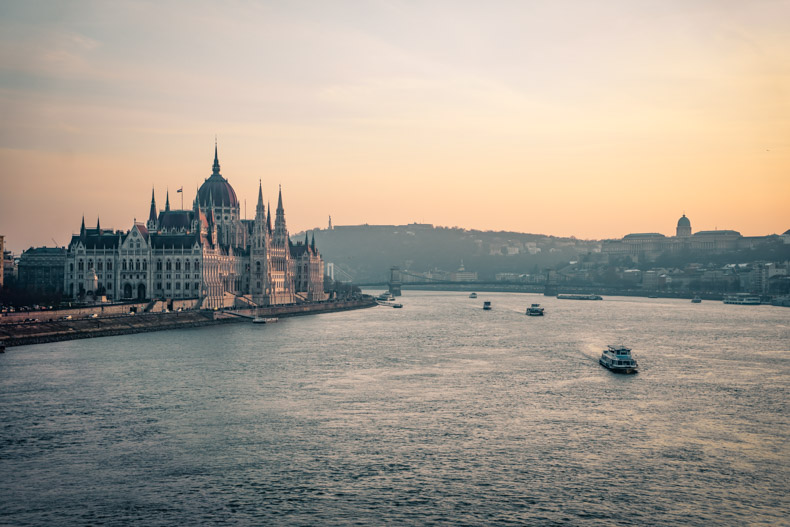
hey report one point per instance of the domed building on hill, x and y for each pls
(648, 246)
(207, 253)
(683, 229)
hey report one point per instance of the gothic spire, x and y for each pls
(98, 225)
(152, 213)
(312, 244)
(167, 201)
(280, 201)
(306, 241)
(215, 167)
(82, 228)
(269, 217)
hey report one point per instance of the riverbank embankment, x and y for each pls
(22, 333)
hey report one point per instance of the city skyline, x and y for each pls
(562, 119)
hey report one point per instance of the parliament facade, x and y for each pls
(208, 253)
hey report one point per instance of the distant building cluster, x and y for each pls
(207, 252)
(649, 245)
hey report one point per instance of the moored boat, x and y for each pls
(696, 300)
(487, 305)
(386, 296)
(618, 359)
(579, 297)
(264, 320)
(472, 295)
(744, 299)
(535, 310)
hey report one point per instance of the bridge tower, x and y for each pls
(395, 281)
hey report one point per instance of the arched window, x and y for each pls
(100, 265)
(178, 265)
(137, 265)
(197, 265)
(168, 265)
(145, 265)
(71, 267)
(90, 264)
(109, 265)
(81, 265)
(186, 265)
(159, 266)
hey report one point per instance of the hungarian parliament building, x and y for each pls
(208, 253)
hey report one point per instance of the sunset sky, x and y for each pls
(592, 119)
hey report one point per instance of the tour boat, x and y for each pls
(385, 297)
(618, 359)
(473, 295)
(579, 297)
(487, 305)
(264, 320)
(535, 310)
(744, 299)
(696, 300)
(397, 306)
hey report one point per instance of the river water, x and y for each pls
(437, 413)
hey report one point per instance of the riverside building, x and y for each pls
(208, 253)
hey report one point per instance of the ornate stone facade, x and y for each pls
(208, 252)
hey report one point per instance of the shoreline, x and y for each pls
(57, 330)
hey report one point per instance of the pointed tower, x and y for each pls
(280, 229)
(98, 225)
(152, 213)
(167, 201)
(259, 252)
(82, 227)
(312, 244)
(215, 166)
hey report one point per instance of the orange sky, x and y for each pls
(592, 119)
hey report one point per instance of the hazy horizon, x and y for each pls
(562, 118)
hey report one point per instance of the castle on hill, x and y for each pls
(207, 253)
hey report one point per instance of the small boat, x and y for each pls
(487, 305)
(696, 300)
(472, 295)
(535, 310)
(579, 297)
(397, 306)
(618, 359)
(264, 320)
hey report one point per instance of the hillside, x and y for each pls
(366, 252)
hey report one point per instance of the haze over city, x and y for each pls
(563, 118)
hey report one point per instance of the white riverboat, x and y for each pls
(386, 296)
(744, 299)
(535, 310)
(264, 320)
(579, 297)
(618, 359)
(472, 295)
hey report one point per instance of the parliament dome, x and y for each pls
(216, 190)
(684, 222)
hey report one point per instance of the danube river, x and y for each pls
(437, 413)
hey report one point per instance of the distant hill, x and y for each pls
(366, 252)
